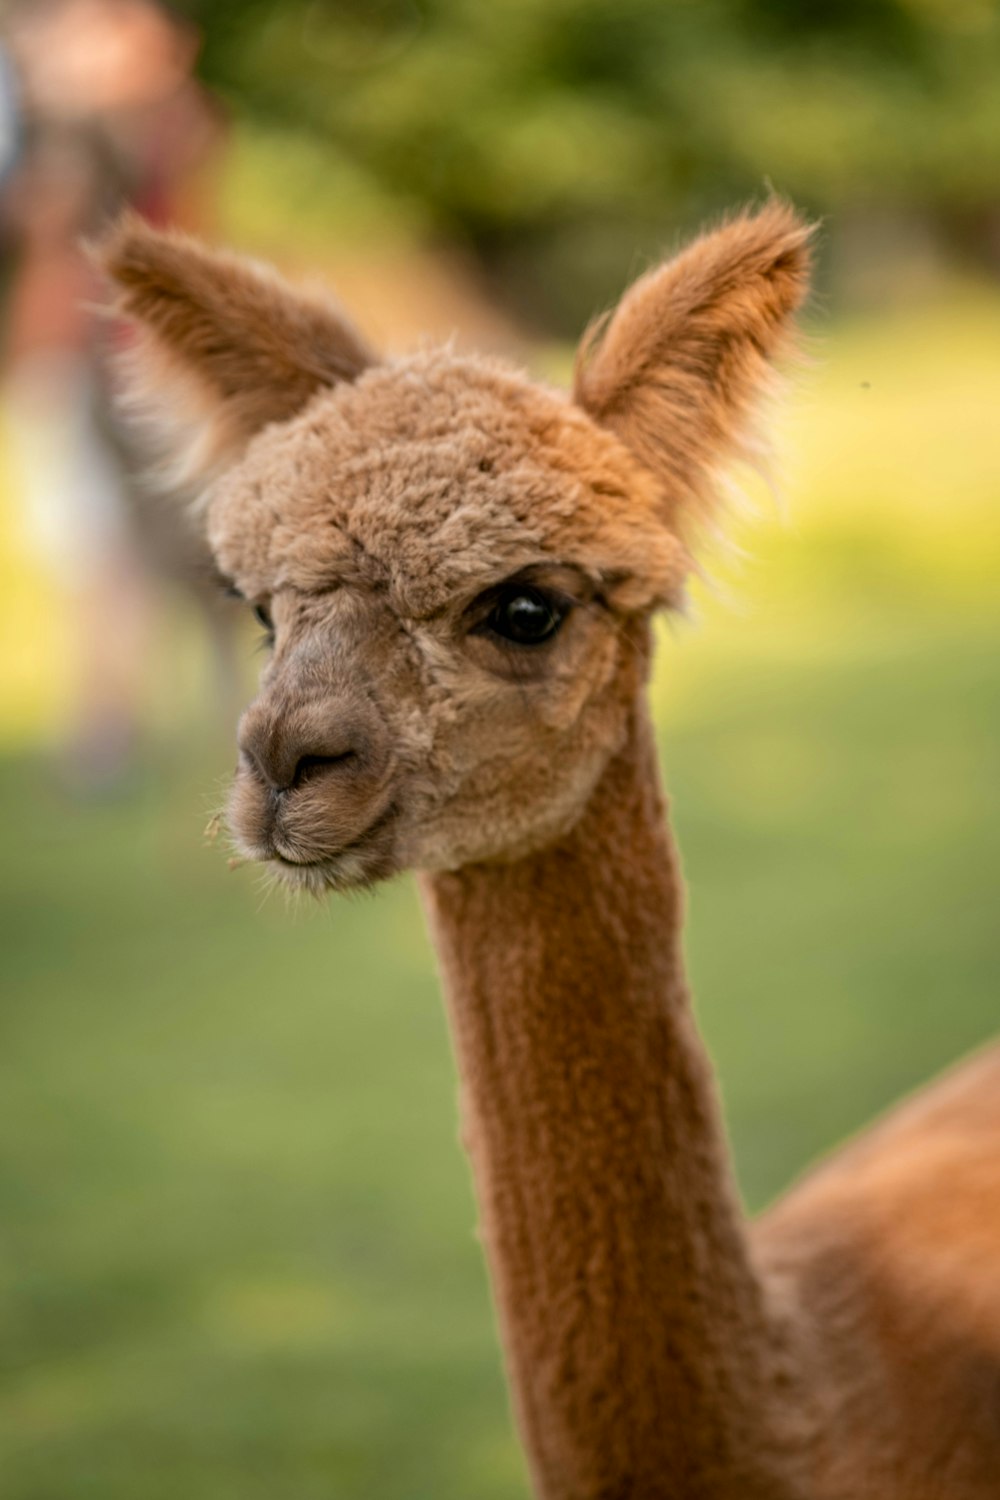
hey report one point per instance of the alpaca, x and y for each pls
(457, 571)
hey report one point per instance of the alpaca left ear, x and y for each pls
(222, 348)
(679, 368)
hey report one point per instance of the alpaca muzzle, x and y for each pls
(312, 781)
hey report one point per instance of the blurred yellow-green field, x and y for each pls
(237, 1249)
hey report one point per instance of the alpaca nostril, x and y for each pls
(285, 778)
(284, 748)
(309, 766)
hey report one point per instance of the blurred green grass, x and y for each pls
(237, 1255)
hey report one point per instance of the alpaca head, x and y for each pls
(454, 566)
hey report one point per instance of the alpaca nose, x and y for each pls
(284, 751)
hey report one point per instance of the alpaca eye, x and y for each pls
(526, 616)
(263, 617)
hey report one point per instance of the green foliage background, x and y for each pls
(558, 136)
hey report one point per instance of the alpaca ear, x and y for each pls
(680, 368)
(223, 346)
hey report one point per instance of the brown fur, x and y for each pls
(235, 351)
(681, 369)
(848, 1347)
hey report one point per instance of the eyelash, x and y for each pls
(260, 612)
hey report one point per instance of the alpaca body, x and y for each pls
(457, 570)
(886, 1257)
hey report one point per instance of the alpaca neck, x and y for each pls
(640, 1353)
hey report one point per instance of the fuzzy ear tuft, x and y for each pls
(679, 369)
(223, 345)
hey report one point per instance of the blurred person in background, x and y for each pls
(107, 114)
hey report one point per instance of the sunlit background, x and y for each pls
(237, 1250)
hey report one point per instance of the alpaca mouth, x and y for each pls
(363, 861)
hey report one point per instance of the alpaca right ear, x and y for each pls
(679, 368)
(223, 346)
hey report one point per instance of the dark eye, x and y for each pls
(263, 617)
(526, 616)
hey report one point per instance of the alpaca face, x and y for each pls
(457, 566)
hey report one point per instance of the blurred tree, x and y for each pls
(556, 135)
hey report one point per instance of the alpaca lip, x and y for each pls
(331, 867)
(293, 864)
